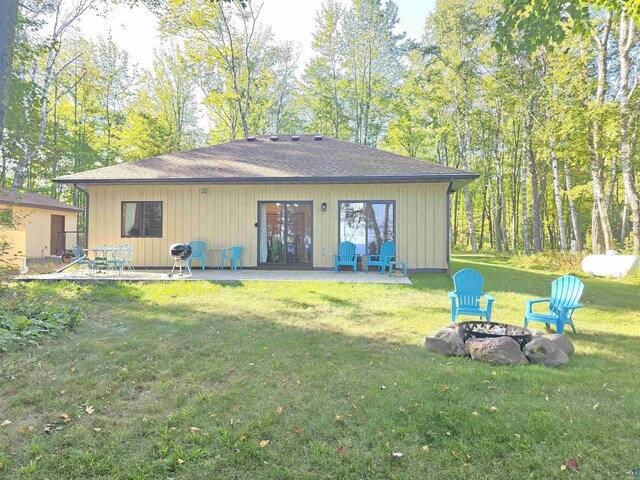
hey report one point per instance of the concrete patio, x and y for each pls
(223, 276)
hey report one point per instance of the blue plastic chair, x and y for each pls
(346, 256)
(198, 252)
(387, 253)
(466, 298)
(565, 295)
(234, 255)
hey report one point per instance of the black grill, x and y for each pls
(180, 251)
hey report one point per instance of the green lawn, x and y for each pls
(187, 379)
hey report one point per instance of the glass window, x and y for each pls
(367, 224)
(141, 219)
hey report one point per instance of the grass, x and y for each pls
(185, 380)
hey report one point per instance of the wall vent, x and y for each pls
(273, 138)
(295, 138)
(204, 191)
(318, 137)
(251, 139)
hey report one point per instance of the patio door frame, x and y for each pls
(286, 264)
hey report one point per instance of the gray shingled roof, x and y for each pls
(283, 161)
(30, 199)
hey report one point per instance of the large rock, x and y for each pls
(543, 351)
(497, 351)
(446, 341)
(561, 341)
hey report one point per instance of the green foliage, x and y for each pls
(525, 25)
(186, 378)
(9, 221)
(22, 325)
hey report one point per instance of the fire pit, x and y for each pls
(480, 329)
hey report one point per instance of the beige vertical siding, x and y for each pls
(225, 216)
(37, 224)
(32, 238)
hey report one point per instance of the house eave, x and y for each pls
(43, 207)
(458, 180)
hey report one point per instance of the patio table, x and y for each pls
(105, 251)
(398, 264)
(219, 252)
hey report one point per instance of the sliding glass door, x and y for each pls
(285, 233)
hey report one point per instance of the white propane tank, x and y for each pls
(611, 265)
(23, 266)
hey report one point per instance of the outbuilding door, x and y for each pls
(57, 237)
(285, 234)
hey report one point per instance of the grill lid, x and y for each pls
(180, 251)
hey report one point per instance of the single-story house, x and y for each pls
(45, 226)
(288, 201)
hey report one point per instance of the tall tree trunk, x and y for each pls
(502, 203)
(495, 218)
(336, 116)
(536, 219)
(624, 222)
(573, 212)
(624, 45)
(464, 145)
(8, 22)
(562, 226)
(600, 223)
(523, 199)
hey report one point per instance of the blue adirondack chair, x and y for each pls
(234, 255)
(198, 252)
(346, 256)
(387, 253)
(565, 295)
(466, 299)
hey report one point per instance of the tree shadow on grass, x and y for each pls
(498, 276)
(189, 361)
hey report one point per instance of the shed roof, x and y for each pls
(36, 200)
(263, 160)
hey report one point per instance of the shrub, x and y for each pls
(20, 326)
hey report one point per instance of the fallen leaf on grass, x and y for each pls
(445, 389)
(493, 409)
(297, 430)
(89, 409)
(341, 451)
(338, 418)
(475, 414)
(596, 406)
(97, 429)
(264, 443)
(194, 429)
(425, 448)
(243, 438)
(516, 436)
(278, 410)
(180, 461)
(397, 454)
(572, 464)
(64, 416)
(5, 423)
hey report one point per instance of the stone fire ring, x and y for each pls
(500, 344)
